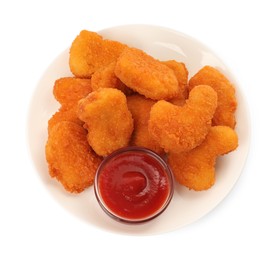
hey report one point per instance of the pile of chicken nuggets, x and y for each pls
(121, 96)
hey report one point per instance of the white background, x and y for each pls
(34, 226)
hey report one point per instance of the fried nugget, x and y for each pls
(106, 78)
(69, 90)
(181, 74)
(146, 75)
(90, 52)
(227, 103)
(196, 169)
(108, 120)
(70, 158)
(140, 107)
(64, 115)
(179, 129)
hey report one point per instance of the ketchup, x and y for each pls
(134, 185)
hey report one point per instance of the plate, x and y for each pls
(186, 206)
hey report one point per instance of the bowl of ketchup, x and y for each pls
(133, 185)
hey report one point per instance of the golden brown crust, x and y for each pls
(196, 169)
(227, 103)
(69, 90)
(146, 75)
(181, 74)
(108, 120)
(106, 78)
(90, 52)
(64, 115)
(179, 129)
(70, 158)
(140, 107)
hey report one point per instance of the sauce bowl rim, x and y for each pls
(159, 160)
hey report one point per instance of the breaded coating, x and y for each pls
(227, 103)
(108, 120)
(140, 107)
(69, 90)
(106, 78)
(196, 169)
(70, 158)
(178, 129)
(146, 75)
(64, 115)
(181, 74)
(90, 52)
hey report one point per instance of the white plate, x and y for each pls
(186, 206)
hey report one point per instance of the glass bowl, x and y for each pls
(133, 185)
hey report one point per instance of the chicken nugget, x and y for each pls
(70, 158)
(108, 120)
(179, 129)
(90, 52)
(140, 107)
(196, 169)
(69, 90)
(181, 74)
(146, 75)
(227, 103)
(106, 78)
(64, 115)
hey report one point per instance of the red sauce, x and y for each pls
(134, 185)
